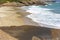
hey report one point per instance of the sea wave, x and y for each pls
(44, 16)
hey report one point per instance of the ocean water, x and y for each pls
(46, 16)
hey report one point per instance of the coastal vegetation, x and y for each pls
(24, 2)
(4, 1)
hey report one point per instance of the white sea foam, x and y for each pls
(44, 16)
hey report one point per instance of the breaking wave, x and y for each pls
(45, 15)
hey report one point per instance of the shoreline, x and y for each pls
(14, 17)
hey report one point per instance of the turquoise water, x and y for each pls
(45, 16)
(54, 6)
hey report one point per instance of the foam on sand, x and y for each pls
(44, 16)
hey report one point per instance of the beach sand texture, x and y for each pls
(9, 16)
(13, 26)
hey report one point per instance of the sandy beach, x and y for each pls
(14, 17)
(10, 16)
(15, 26)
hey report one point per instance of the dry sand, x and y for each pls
(11, 16)
(13, 26)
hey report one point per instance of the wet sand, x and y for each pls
(15, 26)
(12, 17)
(25, 32)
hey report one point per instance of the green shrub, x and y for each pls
(3, 1)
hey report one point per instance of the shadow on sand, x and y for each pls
(26, 32)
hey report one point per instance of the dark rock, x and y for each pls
(32, 2)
